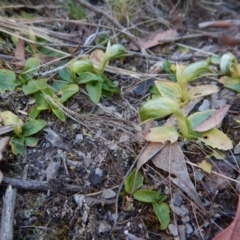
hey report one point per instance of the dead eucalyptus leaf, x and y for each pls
(6, 129)
(149, 152)
(214, 120)
(171, 159)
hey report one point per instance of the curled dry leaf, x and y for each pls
(97, 57)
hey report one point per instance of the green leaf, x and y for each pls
(33, 126)
(162, 212)
(65, 74)
(169, 90)
(157, 108)
(31, 141)
(216, 139)
(58, 85)
(146, 196)
(32, 66)
(59, 113)
(94, 91)
(80, 66)
(67, 92)
(199, 117)
(34, 112)
(34, 86)
(193, 71)
(115, 51)
(17, 145)
(231, 83)
(129, 182)
(7, 80)
(162, 134)
(87, 77)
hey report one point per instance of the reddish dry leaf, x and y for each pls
(155, 39)
(214, 120)
(19, 54)
(232, 232)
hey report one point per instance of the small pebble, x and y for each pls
(185, 219)
(78, 139)
(180, 211)
(177, 200)
(173, 229)
(204, 106)
(189, 228)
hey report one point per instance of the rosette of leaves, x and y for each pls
(23, 132)
(90, 72)
(133, 182)
(198, 126)
(45, 96)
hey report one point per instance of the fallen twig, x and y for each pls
(6, 232)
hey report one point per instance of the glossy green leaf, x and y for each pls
(68, 91)
(216, 139)
(162, 134)
(57, 85)
(199, 117)
(129, 182)
(146, 196)
(94, 91)
(34, 85)
(7, 80)
(156, 108)
(59, 113)
(162, 212)
(168, 89)
(17, 145)
(193, 71)
(33, 126)
(80, 66)
(30, 141)
(115, 51)
(87, 77)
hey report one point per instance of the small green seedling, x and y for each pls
(90, 72)
(133, 182)
(23, 131)
(193, 127)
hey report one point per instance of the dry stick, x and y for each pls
(35, 185)
(113, 21)
(6, 232)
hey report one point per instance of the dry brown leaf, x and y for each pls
(6, 129)
(97, 57)
(221, 23)
(150, 151)
(232, 232)
(155, 38)
(214, 120)
(19, 54)
(171, 159)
